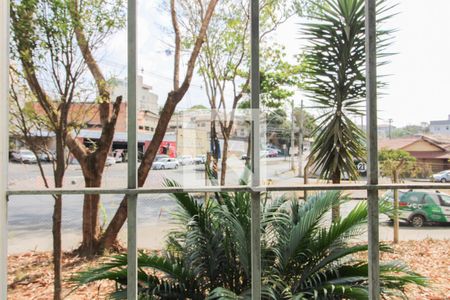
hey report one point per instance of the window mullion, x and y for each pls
(372, 145)
(255, 157)
(132, 152)
(4, 126)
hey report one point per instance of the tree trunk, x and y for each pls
(57, 213)
(335, 211)
(305, 179)
(249, 151)
(173, 98)
(396, 220)
(110, 235)
(91, 204)
(223, 172)
(57, 248)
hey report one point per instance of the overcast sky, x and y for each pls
(420, 74)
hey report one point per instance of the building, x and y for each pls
(147, 100)
(86, 115)
(433, 151)
(200, 119)
(190, 141)
(440, 126)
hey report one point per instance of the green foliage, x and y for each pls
(225, 60)
(423, 170)
(335, 61)
(199, 106)
(309, 121)
(44, 41)
(278, 78)
(208, 256)
(396, 163)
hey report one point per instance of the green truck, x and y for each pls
(421, 207)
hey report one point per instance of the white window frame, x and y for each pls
(255, 188)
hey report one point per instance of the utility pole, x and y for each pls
(292, 137)
(300, 142)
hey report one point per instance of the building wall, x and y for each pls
(147, 121)
(147, 100)
(437, 165)
(421, 145)
(191, 142)
(201, 120)
(88, 114)
(440, 129)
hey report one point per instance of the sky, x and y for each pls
(419, 74)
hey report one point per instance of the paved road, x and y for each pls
(30, 216)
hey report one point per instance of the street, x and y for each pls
(30, 216)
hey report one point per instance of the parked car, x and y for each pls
(200, 159)
(165, 163)
(272, 152)
(262, 154)
(47, 156)
(161, 156)
(110, 160)
(186, 160)
(443, 176)
(272, 147)
(419, 207)
(24, 156)
(120, 155)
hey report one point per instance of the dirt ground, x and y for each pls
(30, 274)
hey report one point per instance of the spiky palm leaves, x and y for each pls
(336, 81)
(302, 258)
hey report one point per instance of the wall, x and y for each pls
(191, 142)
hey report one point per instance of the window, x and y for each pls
(445, 200)
(255, 226)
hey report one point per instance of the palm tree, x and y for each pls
(208, 257)
(336, 84)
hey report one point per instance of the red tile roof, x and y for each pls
(393, 144)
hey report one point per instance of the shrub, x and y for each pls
(209, 255)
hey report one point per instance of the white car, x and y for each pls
(165, 163)
(25, 156)
(161, 156)
(443, 176)
(186, 160)
(110, 160)
(200, 159)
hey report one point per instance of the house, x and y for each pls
(440, 127)
(200, 119)
(431, 150)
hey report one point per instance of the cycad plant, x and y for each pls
(335, 58)
(208, 256)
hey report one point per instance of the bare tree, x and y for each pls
(224, 61)
(173, 99)
(50, 43)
